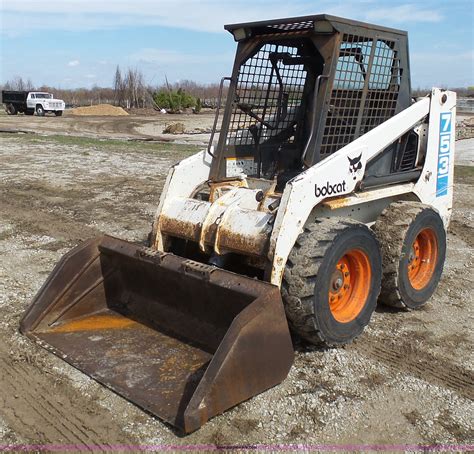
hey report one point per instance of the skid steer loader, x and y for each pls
(329, 188)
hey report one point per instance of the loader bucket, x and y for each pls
(183, 340)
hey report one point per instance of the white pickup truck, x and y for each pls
(29, 102)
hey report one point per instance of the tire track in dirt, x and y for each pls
(58, 427)
(419, 363)
(35, 407)
(76, 424)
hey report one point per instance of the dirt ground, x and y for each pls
(407, 380)
(130, 127)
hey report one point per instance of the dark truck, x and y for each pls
(29, 102)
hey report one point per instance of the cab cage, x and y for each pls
(302, 88)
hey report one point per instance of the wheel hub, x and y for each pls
(337, 280)
(349, 286)
(422, 259)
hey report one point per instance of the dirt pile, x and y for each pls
(100, 110)
(174, 128)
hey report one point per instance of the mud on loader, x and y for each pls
(329, 188)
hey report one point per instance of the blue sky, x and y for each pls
(78, 43)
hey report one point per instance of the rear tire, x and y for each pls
(413, 242)
(11, 109)
(332, 281)
(39, 111)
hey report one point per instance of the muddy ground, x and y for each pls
(407, 380)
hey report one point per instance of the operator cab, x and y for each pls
(303, 88)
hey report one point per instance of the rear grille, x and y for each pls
(408, 151)
(408, 160)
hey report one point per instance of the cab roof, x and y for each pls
(309, 23)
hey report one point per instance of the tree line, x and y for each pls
(130, 90)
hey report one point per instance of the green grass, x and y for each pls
(107, 144)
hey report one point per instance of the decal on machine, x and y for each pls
(329, 189)
(355, 166)
(444, 153)
(240, 166)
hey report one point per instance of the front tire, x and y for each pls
(40, 111)
(413, 242)
(58, 113)
(332, 281)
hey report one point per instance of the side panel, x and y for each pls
(30, 102)
(363, 206)
(435, 187)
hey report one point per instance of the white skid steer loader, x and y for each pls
(329, 188)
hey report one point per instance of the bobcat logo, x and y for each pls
(354, 166)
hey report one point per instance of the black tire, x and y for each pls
(58, 113)
(309, 274)
(29, 111)
(407, 232)
(11, 109)
(39, 111)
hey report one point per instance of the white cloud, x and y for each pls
(404, 13)
(73, 63)
(163, 56)
(202, 15)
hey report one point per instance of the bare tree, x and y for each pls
(118, 87)
(135, 91)
(16, 83)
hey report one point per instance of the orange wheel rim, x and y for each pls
(422, 259)
(350, 285)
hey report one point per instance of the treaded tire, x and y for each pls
(40, 111)
(58, 113)
(11, 109)
(397, 228)
(308, 276)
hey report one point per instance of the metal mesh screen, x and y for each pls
(384, 84)
(259, 91)
(364, 92)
